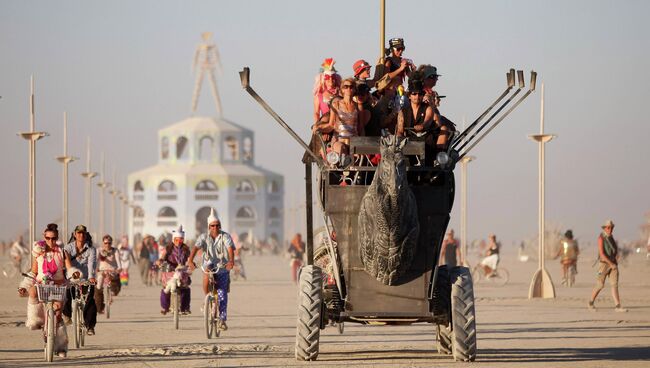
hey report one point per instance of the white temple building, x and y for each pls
(206, 162)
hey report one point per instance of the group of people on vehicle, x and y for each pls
(361, 106)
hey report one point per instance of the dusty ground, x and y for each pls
(511, 329)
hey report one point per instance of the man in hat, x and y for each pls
(608, 266)
(83, 257)
(175, 255)
(568, 252)
(218, 255)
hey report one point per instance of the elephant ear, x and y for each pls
(401, 144)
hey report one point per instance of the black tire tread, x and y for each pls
(310, 299)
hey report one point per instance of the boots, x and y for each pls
(35, 315)
(61, 341)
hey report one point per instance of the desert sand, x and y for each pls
(512, 330)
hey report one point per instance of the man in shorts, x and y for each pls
(608, 266)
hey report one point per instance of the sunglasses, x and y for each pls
(215, 225)
(398, 48)
(417, 94)
(328, 77)
(51, 238)
(348, 86)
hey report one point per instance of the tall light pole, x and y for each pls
(542, 285)
(65, 160)
(114, 192)
(102, 185)
(123, 205)
(463, 207)
(32, 136)
(88, 175)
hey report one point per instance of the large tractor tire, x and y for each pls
(463, 317)
(310, 300)
(444, 339)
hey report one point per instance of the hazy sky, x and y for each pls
(122, 70)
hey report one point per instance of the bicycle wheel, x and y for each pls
(75, 324)
(82, 324)
(502, 276)
(208, 317)
(216, 316)
(49, 344)
(107, 300)
(175, 305)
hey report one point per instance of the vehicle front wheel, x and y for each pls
(463, 319)
(310, 300)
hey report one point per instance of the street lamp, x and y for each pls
(463, 208)
(65, 160)
(88, 175)
(114, 192)
(542, 285)
(102, 185)
(32, 136)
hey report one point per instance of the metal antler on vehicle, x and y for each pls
(520, 74)
(244, 76)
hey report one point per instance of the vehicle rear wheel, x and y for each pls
(444, 339)
(310, 300)
(463, 317)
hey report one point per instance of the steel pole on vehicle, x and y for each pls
(510, 81)
(309, 214)
(533, 83)
(382, 30)
(463, 208)
(542, 284)
(244, 76)
(520, 73)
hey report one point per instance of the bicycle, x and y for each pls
(48, 294)
(211, 313)
(107, 279)
(79, 299)
(176, 294)
(499, 276)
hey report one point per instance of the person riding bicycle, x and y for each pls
(175, 255)
(83, 257)
(47, 266)
(218, 254)
(491, 260)
(126, 256)
(110, 263)
(568, 252)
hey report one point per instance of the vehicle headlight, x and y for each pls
(333, 158)
(442, 158)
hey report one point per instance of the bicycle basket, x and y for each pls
(50, 293)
